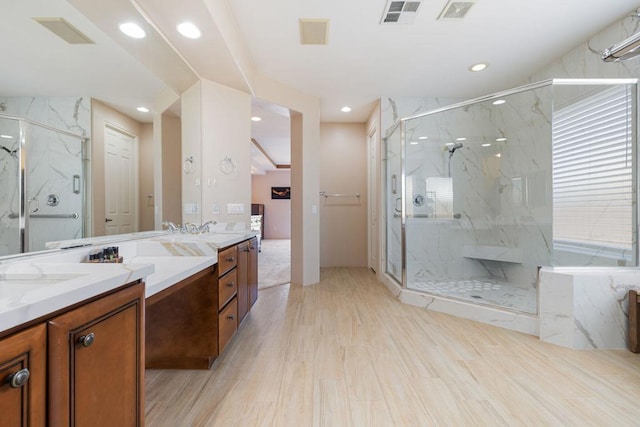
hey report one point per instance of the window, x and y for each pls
(593, 174)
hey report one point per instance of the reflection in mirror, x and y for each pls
(40, 86)
(42, 159)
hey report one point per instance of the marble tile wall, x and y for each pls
(585, 308)
(587, 312)
(52, 161)
(501, 200)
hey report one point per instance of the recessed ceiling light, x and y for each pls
(461, 139)
(486, 145)
(143, 109)
(499, 102)
(498, 155)
(6, 136)
(256, 119)
(449, 144)
(501, 139)
(478, 67)
(189, 30)
(423, 137)
(345, 109)
(133, 30)
(414, 143)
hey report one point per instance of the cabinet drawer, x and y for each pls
(227, 259)
(227, 323)
(227, 288)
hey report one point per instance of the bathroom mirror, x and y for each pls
(52, 82)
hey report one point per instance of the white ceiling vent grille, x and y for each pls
(455, 10)
(400, 12)
(64, 30)
(314, 31)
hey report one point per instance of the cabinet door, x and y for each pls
(96, 362)
(22, 378)
(243, 271)
(252, 276)
(227, 323)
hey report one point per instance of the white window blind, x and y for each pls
(592, 171)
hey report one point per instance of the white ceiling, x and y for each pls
(363, 61)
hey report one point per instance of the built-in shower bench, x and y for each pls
(493, 253)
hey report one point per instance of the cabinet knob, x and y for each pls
(231, 317)
(230, 285)
(18, 379)
(230, 259)
(87, 340)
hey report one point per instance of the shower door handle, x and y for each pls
(33, 199)
(398, 209)
(394, 184)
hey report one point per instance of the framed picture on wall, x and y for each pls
(280, 192)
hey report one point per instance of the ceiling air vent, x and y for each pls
(400, 12)
(314, 31)
(64, 30)
(455, 10)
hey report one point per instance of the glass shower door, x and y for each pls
(10, 231)
(393, 195)
(54, 185)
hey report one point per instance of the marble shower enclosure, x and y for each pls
(487, 210)
(478, 186)
(54, 163)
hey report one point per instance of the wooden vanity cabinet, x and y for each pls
(182, 323)
(228, 288)
(189, 324)
(23, 378)
(252, 273)
(243, 280)
(96, 362)
(247, 276)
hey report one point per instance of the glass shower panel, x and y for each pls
(478, 199)
(54, 186)
(10, 234)
(393, 193)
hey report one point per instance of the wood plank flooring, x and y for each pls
(345, 352)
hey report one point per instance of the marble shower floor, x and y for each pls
(486, 291)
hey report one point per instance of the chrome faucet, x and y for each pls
(171, 226)
(204, 228)
(189, 227)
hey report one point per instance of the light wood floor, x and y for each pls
(347, 353)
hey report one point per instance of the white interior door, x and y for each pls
(119, 183)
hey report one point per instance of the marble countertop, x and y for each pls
(30, 290)
(38, 285)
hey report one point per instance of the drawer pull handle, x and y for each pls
(230, 259)
(18, 379)
(231, 317)
(87, 340)
(230, 285)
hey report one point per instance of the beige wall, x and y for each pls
(343, 170)
(171, 168)
(191, 108)
(216, 125)
(277, 213)
(101, 115)
(145, 178)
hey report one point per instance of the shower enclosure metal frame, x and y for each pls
(23, 176)
(402, 125)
